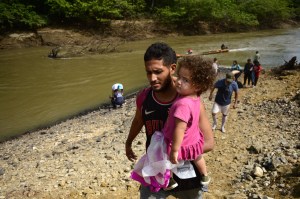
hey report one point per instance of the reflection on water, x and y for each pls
(36, 90)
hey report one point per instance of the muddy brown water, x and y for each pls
(36, 91)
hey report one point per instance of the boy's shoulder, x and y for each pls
(143, 92)
(141, 96)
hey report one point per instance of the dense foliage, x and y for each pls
(228, 14)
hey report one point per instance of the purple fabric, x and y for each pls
(153, 168)
(154, 185)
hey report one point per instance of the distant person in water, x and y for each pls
(189, 52)
(223, 47)
(117, 97)
(54, 52)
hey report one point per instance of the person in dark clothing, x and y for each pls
(248, 73)
(223, 47)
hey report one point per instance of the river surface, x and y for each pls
(36, 91)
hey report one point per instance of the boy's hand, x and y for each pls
(130, 154)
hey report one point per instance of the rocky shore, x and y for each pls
(84, 157)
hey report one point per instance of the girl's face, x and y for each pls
(184, 85)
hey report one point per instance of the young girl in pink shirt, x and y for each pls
(182, 134)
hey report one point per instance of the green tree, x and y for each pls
(179, 14)
(295, 6)
(220, 12)
(267, 12)
(14, 15)
(94, 10)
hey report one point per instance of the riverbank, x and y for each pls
(84, 157)
(74, 41)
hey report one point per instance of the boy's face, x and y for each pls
(159, 76)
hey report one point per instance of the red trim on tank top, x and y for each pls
(163, 103)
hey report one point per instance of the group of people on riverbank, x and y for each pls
(251, 70)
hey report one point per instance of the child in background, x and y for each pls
(117, 97)
(257, 69)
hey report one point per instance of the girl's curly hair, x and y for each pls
(203, 75)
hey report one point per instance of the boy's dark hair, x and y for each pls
(202, 73)
(161, 51)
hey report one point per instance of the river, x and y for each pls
(37, 91)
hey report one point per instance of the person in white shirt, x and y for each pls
(215, 66)
(256, 56)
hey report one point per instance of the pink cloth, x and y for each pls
(153, 169)
(257, 70)
(186, 109)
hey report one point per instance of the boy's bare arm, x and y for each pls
(135, 129)
(205, 127)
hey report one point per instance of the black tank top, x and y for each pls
(154, 115)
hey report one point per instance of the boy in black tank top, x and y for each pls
(154, 115)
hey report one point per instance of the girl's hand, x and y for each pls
(173, 157)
